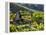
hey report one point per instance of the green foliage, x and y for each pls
(12, 28)
(28, 26)
(38, 16)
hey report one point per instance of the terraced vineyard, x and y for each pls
(31, 21)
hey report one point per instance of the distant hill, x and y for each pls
(35, 6)
(31, 6)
